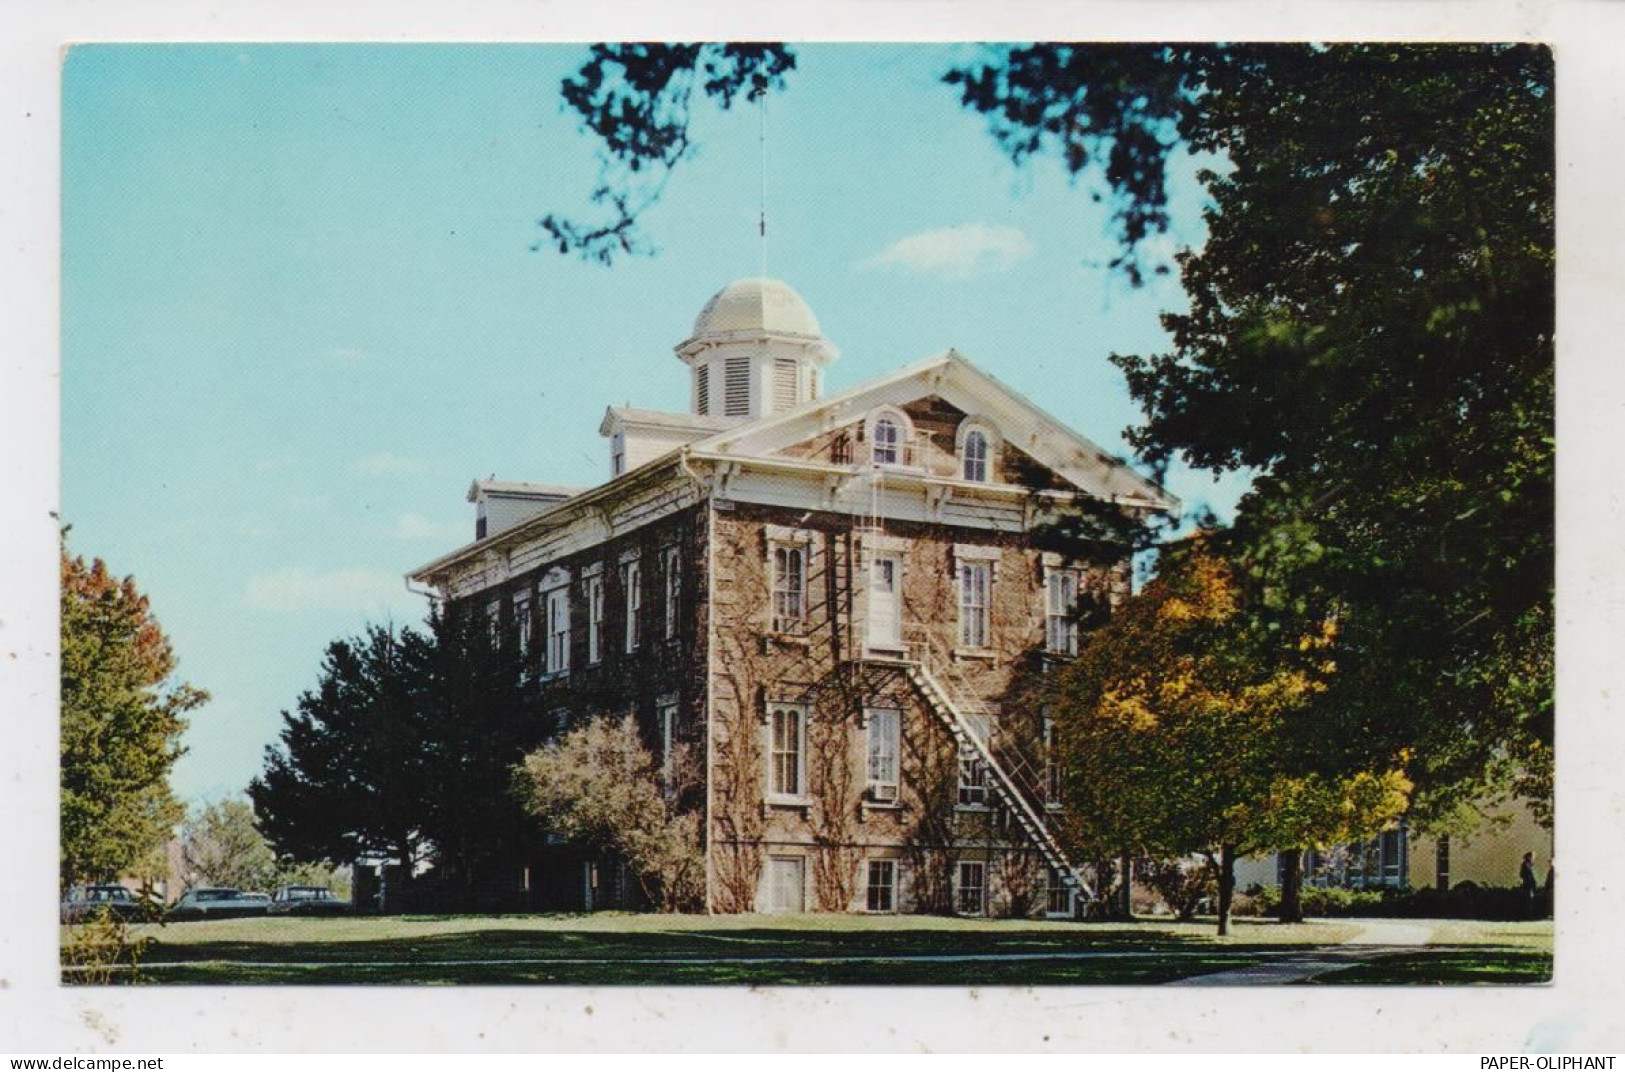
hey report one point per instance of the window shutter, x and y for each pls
(702, 390)
(784, 384)
(736, 387)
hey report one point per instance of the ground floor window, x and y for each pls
(882, 886)
(1058, 895)
(972, 888)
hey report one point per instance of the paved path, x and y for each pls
(1374, 939)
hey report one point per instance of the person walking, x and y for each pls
(1531, 888)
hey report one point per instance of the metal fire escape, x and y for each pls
(1018, 787)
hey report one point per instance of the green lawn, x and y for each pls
(610, 948)
(1450, 965)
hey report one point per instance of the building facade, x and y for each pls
(831, 616)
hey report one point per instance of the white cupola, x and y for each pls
(756, 350)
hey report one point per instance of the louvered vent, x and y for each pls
(702, 390)
(736, 387)
(784, 384)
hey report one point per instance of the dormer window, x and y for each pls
(888, 442)
(975, 457)
(978, 441)
(891, 437)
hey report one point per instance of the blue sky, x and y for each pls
(301, 311)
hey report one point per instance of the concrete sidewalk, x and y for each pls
(1377, 938)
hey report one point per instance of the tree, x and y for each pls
(1182, 729)
(1370, 331)
(600, 785)
(121, 724)
(221, 845)
(637, 98)
(404, 750)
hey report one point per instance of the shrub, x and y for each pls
(1182, 884)
(101, 948)
(598, 784)
(1467, 900)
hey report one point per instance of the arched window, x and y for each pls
(888, 442)
(978, 445)
(975, 456)
(891, 437)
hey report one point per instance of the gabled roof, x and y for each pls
(952, 377)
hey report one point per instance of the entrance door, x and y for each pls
(786, 884)
(885, 602)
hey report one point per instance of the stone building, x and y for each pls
(832, 604)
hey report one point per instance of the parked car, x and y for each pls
(83, 902)
(254, 904)
(218, 902)
(307, 901)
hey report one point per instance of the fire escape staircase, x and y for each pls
(1014, 784)
(1005, 784)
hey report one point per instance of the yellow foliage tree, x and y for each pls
(1185, 729)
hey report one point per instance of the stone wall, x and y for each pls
(834, 829)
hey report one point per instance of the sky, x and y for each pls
(301, 311)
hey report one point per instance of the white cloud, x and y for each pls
(297, 588)
(386, 464)
(961, 251)
(418, 527)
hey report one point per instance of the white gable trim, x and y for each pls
(949, 375)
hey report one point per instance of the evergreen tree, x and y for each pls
(405, 749)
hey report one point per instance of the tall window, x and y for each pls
(674, 589)
(617, 454)
(521, 620)
(888, 442)
(788, 727)
(972, 778)
(882, 896)
(493, 620)
(558, 630)
(667, 712)
(972, 887)
(595, 618)
(702, 390)
(632, 586)
(972, 774)
(789, 588)
(1060, 627)
(885, 744)
(973, 614)
(975, 456)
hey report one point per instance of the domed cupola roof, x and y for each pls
(756, 307)
(756, 349)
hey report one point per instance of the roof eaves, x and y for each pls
(547, 518)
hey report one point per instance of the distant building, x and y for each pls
(831, 604)
(1403, 859)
